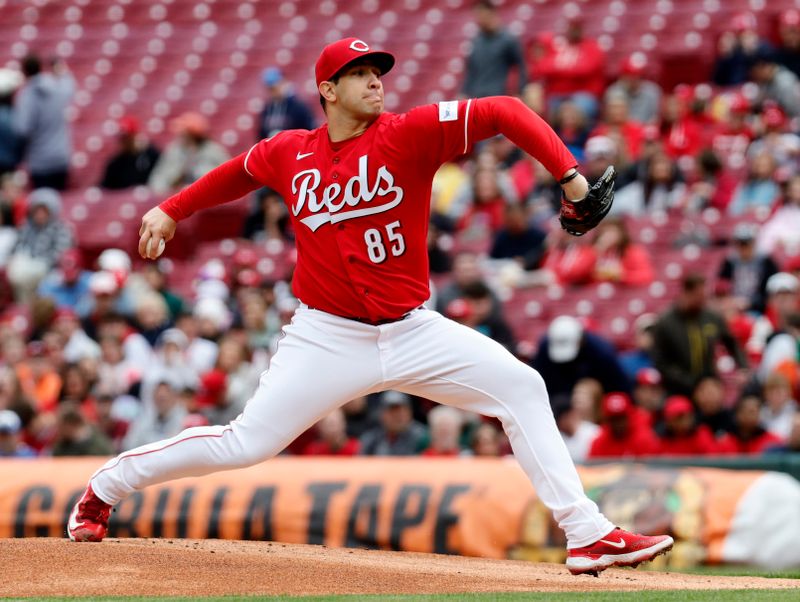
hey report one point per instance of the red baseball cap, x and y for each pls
(648, 376)
(336, 56)
(790, 18)
(677, 405)
(616, 404)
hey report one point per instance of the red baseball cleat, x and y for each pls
(89, 518)
(618, 548)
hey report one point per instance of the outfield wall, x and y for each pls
(475, 507)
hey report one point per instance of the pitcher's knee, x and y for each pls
(238, 449)
(524, 385)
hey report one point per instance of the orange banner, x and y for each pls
(469, 506)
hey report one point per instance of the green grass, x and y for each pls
(741, 571)
(667, 596)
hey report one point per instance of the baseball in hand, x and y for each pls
(161, 246)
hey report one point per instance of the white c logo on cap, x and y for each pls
(359, 46)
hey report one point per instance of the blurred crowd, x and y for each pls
(101, 354)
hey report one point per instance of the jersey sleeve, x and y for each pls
(261, 161)
(441, 132)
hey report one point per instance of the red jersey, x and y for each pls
(640, 441)
(360, 207)
(323, 448)
(732, 444)
(699, 442)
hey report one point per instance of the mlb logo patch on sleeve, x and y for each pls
(448, 110)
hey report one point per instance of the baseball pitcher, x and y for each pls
(358, 190)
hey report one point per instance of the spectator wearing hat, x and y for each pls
(162, 418)
(777, 141)
(577, 432)
(686, 336)
(41, 121)
(568, 353)
(621, 435)
(679, 434)
(782, 301)
(748, 435)
(11, 443)
(648, 393)
(444, 425)
(781, 354)
(747, 271)
(191, 155)
(733, 134)
(643, 96)
(399, 434)
(211, 399)
(68, 284)
(332, 438)
(42, 240)
(283, 110)
(788, 51)
(775, 82)
(76, 436)
(134, 160)
(781, 232)
(494, 53)
(10, 141)
(736, 48)
(574, 69)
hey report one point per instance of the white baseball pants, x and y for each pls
(324, 361)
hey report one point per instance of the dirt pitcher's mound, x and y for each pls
(176, 567)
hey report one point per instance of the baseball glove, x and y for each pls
(578, 218)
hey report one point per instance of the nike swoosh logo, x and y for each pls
(74, 524)
(618, 544)
(303, 155)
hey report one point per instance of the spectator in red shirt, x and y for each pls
(444, 425)
(734, 134)
(748, 435)
(619, 259)
(620, 436)
(682, 436)
(332, 439)
(648, 392)
(617, 125)
(574, 70)
(680, 134)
